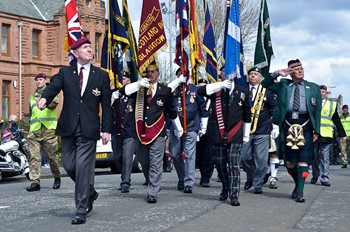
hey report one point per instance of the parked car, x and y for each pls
(105, 159)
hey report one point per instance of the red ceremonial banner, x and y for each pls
(151, 36)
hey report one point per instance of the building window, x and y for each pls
(5, 39)
(87, 35)
(97, 46)
(5, 98)
(36, 44)
(87, 2)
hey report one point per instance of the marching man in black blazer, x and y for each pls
(153, 101)
(228, 128)
(85, 88)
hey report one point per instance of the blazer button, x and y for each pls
(81, 101)
(145, 117)
(147, 107)
(78, 114)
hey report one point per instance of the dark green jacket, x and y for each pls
(284, 89)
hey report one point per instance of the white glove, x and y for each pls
(214, 87)
(275, 131)
(181, 79)
(246, 132)
(178, 128)
(115, 96)
(144, 82)
(175, 83)
(204, 124)
(135, 86)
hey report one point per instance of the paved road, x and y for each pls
(326, 208)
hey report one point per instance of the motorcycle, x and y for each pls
(14, 154)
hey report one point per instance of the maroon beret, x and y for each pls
(323, 87)
(79, 42)
(40, 75)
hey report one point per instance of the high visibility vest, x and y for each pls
(327, 113)
(45, 117)
(346, 124)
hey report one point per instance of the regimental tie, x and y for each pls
(149, 93)
(81, 78)
(251, 92)
(296, 102)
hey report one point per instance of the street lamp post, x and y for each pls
(20, 25)
(165, 11)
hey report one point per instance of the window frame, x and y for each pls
(5, 112)
(8, 26)
(38, 57)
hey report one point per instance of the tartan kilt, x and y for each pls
(304, 154)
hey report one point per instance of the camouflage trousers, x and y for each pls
(38, 141)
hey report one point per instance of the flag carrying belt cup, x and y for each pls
(295, 137)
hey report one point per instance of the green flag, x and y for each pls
(131, 53)
(263, 48)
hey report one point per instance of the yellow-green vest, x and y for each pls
(45, 117)
(346, 124)
(327, 113)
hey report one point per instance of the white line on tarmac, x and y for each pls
(4, 207)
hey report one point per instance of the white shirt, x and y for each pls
(86, 72)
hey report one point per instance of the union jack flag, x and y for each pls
(74, 26)
(181, 58)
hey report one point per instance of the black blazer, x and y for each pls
(84, 109)
(238, 110)
(161, 102)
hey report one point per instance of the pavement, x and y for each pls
(326, 208)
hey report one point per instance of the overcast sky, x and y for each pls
(315, 31)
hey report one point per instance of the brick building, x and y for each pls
(42, 26)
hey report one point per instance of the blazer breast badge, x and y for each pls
(96, 92)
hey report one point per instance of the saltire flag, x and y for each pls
(228, 7)
(263, 48)
(211, 64)
(195, 45)
(115, 43)
(152, 37)
(131, 52)
(182, 31)
(233, 43)
(74, 28)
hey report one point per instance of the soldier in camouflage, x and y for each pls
(42, 136)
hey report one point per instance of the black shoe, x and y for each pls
(125, 189)
(79, 219)
(92, 198)
(33, 187)
(326, 184)
(258, 191)
(188, 189)
(294, 194)
(344, 166)
(180, 185)
(145, 183)
(151, 199)
(313, 180)
(57, 183)
(235, 202)
(248, 185)
(223, 195)
(205, 184)
(266, 178)
(300, 198)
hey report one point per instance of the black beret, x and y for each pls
(126, 74)
(294, 63)
(200, 81)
